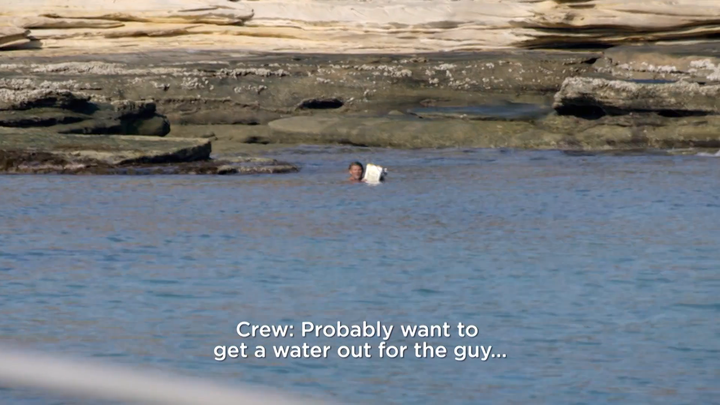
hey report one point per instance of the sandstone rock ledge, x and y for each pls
(342, 26)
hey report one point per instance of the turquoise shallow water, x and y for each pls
(597, 276)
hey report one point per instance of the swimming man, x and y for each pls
(356, 172)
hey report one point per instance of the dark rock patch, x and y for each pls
(74, 113)
(321, 104)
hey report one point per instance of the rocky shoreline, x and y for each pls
(627, 97)
(59, 131)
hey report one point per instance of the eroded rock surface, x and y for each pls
(45, 129)
(590, 96)
(207, 89)
(69, 112)
(627, 97)
(107, 150)
(40, 153)
(13, 37)
(698, 62)
(346, 26)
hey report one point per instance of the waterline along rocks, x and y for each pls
(570, 75)
(517, 99)
(58, 131)
(90, 154)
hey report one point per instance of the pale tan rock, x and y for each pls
(65, 23)
(298, 26)
(148, 32)
(350, 26)
(16, 44)
(618, 22)
(148, 11)
(13, 36)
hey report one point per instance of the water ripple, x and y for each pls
(598, 276)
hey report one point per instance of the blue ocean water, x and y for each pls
(597, 276)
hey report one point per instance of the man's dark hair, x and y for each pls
(356, 164)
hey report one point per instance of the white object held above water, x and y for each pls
(374, 174)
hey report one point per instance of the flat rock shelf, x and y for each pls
(121, 154)
(629, 97)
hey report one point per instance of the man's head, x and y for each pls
(356, 170)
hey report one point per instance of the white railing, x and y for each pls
(100, 381)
